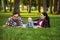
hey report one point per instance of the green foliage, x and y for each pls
(26, 2)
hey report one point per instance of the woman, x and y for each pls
(44, 21)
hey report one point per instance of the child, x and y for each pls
(30, 23)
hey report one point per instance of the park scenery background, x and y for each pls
(30, 8)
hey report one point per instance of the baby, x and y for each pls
(30, 23)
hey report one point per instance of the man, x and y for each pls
(15, 20)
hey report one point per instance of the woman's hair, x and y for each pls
(47, 18)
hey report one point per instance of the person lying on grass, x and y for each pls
(30, 23)
(15, 20)
(43, 22)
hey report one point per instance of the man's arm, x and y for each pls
(20, 22)
(9, 22)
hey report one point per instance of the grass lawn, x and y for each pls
(14, 33)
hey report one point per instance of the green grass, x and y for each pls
(14, 33)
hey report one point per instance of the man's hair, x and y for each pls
(15, 14)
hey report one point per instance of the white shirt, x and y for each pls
(40, 23)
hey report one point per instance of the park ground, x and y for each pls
(14, 33)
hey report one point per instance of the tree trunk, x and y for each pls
(51, 2)
(5, 3)
(39, 5)
(10, 6)
(58, 7)
(55, 5)
(29, 8)
(16, 6)
(2, 4)
(45, 5)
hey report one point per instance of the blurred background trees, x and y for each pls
(16, 6)
(52, 6)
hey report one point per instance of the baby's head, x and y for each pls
(29, 19)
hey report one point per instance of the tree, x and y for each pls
(39, 5)
(33, 3)
(24, 2)
(58, 7)
(5, 4)
(11, 4)
(51, 2)
(55, 5)
(16, 6)
(45, 5)
(0, 5)
(29, 8)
